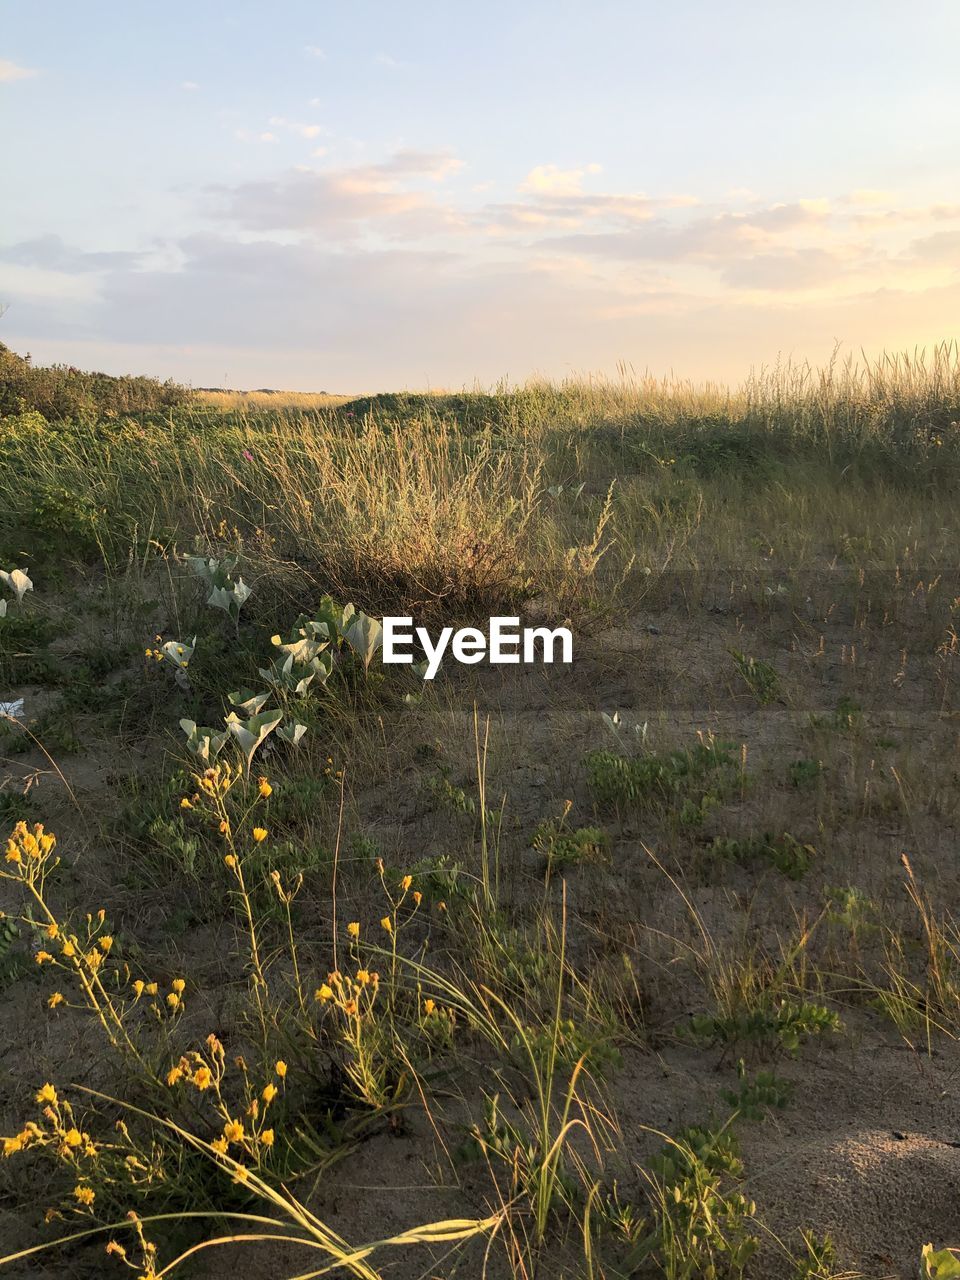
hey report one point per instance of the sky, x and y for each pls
(388, 194)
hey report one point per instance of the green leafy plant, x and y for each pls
(769, 1027)
(783, 851)
(228, 591)
(688, 781)
(18, 583)
(939, 1264)
(760, 677)
(701, 1223)
(805, 772)
(818, 1259)
(563, 848)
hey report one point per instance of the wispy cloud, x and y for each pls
(548, 179)
(50, 253)
(11, 71)
(254, 135)
(345, 202)
(295, 126)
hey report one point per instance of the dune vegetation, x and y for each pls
(645, 965)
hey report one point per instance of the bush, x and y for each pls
(62, 392)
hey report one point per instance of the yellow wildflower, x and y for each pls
(353, 929)
(406, 882)
(138, 987)
(230, 861)
(417, 897)
(202, 1078)
(151, 988)
(281, 1069)
(324, 992)
(178, 985)
(44, 957)
(52, 929)
(73, 1138)
(173, 1000)
(86, 1195)
(185, 803)
(264, 787)
(55, 999)
(429, 1006)
(266, 1137)
(233, 1131)
(220, 1146)
(259, 834)
(174, 1075)
(47, 1094)
(105, 943)
(269, 1093)
(387, 924)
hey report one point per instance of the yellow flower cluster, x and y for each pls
(351, 996)
(206, 1074)
(217, 780)
(25, 846)
(173, 999)
(63, 1136)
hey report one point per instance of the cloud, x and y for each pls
(189, 85)
(50, 253)
(246, 135)
(549, 180)
(294, 126)
(314, 51)
(309, 315)
(342, 202)
(719, 238)
(11, 71)
(790, 269)
(391, 272)
(941, 247)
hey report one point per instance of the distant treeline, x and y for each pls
(61, 391)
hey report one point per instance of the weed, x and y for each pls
(701, 1226)
(805, 772)
(686, 782)
(782, 851)
(768, 1028)
(564, 849)
(760, 677)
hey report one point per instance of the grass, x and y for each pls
(488, 949)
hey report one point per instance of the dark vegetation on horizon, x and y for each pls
(61, 391)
